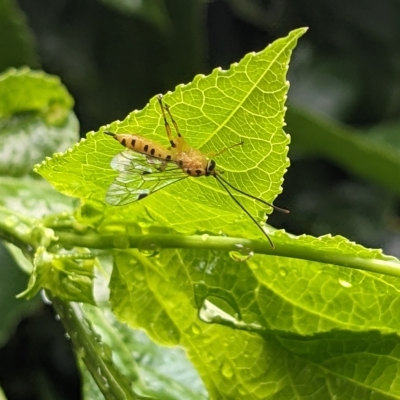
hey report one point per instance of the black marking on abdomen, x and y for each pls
(146, 147)
(198, 172)
(152, 151)
(133, 142)
(167, 158)
(123, 142)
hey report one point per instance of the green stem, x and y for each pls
(205, 242)
(95, 355)
(16, 228)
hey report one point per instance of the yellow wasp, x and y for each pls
(146, 167)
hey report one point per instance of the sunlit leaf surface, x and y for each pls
(36, 119)
(254, 326)
(245, 103)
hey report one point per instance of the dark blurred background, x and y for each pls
(113, 55)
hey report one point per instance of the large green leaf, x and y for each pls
(293, 324)
(36, 119)
(269, 327)
(244, 103)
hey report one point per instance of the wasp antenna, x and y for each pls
(109, 133)
(221, 182)
(282, 210)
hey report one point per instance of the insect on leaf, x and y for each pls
(139, 177)
(245, 103)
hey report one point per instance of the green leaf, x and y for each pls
(2, 396)
(385, 136)
(341, 364)
(356, 152)
(263, 327)
(36, 119)
(159, 372)
(16, 40)
(12, 280)
(33, 197)
(65, 276)
(244, 103)
(25, 90)
(29, 197)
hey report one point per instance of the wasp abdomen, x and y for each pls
(142, 145)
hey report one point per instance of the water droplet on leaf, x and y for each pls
(242, 253)
(227, 370)
(283, 272)
(148, 247)
(196, 329)
(344, 283)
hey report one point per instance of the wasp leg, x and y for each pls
(217, 153)
(166, 106)
(167, 127)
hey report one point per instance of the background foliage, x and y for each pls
(344, 82)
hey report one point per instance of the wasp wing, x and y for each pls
(140, 176)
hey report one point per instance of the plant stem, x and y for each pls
(205, 242)
(95, 354)
(16, 228)
(19, 229)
